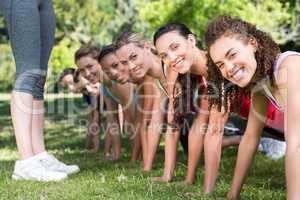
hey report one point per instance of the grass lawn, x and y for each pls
(65, 138)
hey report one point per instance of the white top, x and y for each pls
(281, 57)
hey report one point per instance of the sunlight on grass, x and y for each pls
(8, 154)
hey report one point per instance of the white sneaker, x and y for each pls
(51, 163)
(274, 149)
(32, 169)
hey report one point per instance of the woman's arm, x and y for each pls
(112, 131)
(289, 75)
(171, 140)
(154, 126)
(196, 140)
(145, 94)
(249, 143)
(213, 147)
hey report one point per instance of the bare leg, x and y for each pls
(21, 112)
(37, 131)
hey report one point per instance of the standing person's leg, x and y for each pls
(22, 19)
(21, 109)
(47, 29)
(45, 35)
(22, 22)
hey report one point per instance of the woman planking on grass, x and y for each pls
(249, 58)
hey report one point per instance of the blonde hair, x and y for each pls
(129, 37)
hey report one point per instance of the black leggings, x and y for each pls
(184, 131)
(31, 26)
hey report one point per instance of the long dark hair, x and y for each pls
(267, 51)
(183, 104)
(108, 49)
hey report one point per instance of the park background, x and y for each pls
(98, 22)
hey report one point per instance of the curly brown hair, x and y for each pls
(267, 50)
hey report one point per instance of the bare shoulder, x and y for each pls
(289, 71)
(292, 60)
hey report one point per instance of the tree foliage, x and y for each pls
(269, 15)
(96, 21)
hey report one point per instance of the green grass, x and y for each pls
(65, 137)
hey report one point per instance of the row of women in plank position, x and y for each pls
(241, 71)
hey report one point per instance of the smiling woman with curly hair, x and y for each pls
(251, 62)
